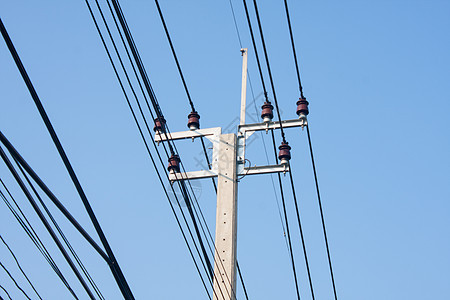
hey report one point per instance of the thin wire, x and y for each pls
(293, 48)
(45, 222)
(174, 55)
(20, 268)
(269, 71)
(15, 282)
(1, 287)
(321, 212)
(255, 49)
(297, 210)
(286, 220)
(29, 230)
(61, 233)
(191, 103)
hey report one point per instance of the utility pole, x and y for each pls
(228, 163)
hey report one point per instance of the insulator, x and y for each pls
(159, 124)
(285, 153)
(193, 120)
(302, 108)
(267, 111)
(174, 164)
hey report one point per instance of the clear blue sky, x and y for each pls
(376, 74)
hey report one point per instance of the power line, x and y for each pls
(142, 135)
(6, 292)
(268, 69)
(117, 272)
(321, 211)
(15, 282)
(137, 101)
(45, 222)
(257, 112)
(20, 268)
(29, 230)
(293, 49)
(297, 210)
(289, 242)
(61, 233)
(297, 289)
(311, 151)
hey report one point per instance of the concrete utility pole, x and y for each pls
(228, 162)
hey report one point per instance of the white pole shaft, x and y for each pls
(244, 84)
(226, 221)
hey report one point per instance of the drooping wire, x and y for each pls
(14, 280)
(115, 268)
(29, 230)
(20, 267)
(321, 212)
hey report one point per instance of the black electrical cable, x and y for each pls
(29, 230)
(262, 135)
(182, 183)
(284, 140)
(20, 267)
(146, 145)
(15, 282)
(174, 55)
(311, 150)
(117, 272)
(150, 91)
(293, 49)
(286, 220)
(45, 222)
(193, 109)
(297, 210)
(6, 292)
(16, 155)
(61, 233)
(321, 212)
(256, 50)
(269, 71)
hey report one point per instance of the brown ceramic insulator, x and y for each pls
(285, 151)
(159, 124)
(193, 120)
(302, 107)
(267, 110)
(174, 163)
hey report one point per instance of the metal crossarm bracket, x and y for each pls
(249, 129)
(264, 170)
(212, 134)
